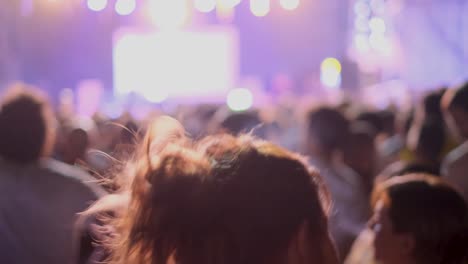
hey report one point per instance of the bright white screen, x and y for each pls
(187, 66)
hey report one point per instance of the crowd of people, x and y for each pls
(340, 183)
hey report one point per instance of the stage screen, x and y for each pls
(192, 66)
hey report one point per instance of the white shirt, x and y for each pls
(38, 208)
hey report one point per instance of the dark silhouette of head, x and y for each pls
(360, 152)
(244, 122)
(431, 105)
(388, 118)
(427, 139)
(373, 118)
(420, 219)
(76, 145)
(225, 200)
(455, 104)
(26, 130)
(327, 132)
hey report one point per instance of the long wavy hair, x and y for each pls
(223, 199)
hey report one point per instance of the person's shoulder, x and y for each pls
(73, 176)
(361, 251)
(347, 173)
(461, 152)
(390, 171)
(456, 158)
(12, 173)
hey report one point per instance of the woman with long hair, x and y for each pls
(223, 199)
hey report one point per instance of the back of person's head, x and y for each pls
(455, 103)
(226, 200)
(388, 121)
(79, 141)
(431, 105)
(328, 129)
(244, 122)
(460, 97)
(373, 118)
(25, 125)
(427, 139)
(268, 194)
(420, 219)
(360, 151)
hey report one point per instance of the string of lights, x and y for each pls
(258, 8)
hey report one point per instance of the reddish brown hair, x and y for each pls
(223, 200)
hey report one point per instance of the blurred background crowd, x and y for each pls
(368, 91)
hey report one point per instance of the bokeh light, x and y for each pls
(362, 9)
(97, 5)
(378, 6)
(330, 79)
(379, 42)
(289, 4)
(361, 24)
(330, 73)
(228, 3)
(239, 99)
(125, 7)
(260, 8)
(361, 42)
(377, 25)
(225, 14)
(226, 9)
(205, 6)
(331, 63)
(168, 14)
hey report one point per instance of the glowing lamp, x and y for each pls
(239, 99)
(330, 73)
(168, 14)
(205, 6)
(97, 5)
(289, 4)
(260, 8)
(377, 25)
(125, 7)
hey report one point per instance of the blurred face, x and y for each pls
(390, 247)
